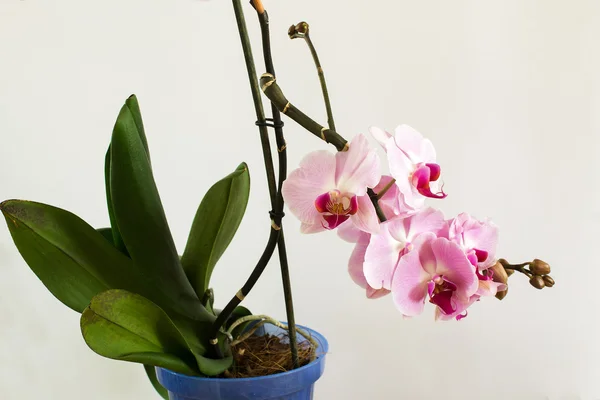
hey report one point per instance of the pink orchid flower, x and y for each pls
(327, 189)
(412, 161)
(350, 233)
(355, 267)
(394, 240)
(477, 238)
(437, 268)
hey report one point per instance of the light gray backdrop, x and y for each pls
(508, 90)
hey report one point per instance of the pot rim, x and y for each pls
(321, 340)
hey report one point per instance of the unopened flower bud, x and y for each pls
(502, 294)
(548, 281)
(537, 282)
(509, 272)
(299, 30)
(539, 267)
(499, 273)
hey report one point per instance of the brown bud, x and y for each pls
(537, 282)
(539, 267)
(502, 294)
(499, 273)
(548, 281)
(509, 272)
(299, 30)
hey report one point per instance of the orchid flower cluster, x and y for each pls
(402, 246)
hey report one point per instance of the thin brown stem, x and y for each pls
(385, 189)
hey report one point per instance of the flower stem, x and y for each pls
(275, 195)
(321, 74)
(274, 93)
(243, 292)
(378, 210)
(387, 187)
(517, 267)
(263, 18)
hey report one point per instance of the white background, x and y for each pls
(508, 91)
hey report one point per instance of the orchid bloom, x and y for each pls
(350, 233)
(412, 161)
(394, 240)
(327, 189)
(477, 238)
(438, 268)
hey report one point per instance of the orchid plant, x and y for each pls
(140, 301)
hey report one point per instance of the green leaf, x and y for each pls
(125, 326)
(151, 372)
(134, 108)
(132, 104)
(140, 216)
(107, 233)
(70, 258)
(74, 261)
(217, 220)
(117, 240)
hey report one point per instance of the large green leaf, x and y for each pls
(140, 216)
(132, 104)
(117, 240)
(151, 373)
(125, 326)
(76, 262)
(72, 260)
(216, 222)
(107, 233)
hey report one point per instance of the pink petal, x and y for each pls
(427, 220)
(381, 136)
(422, 245)
(376, 293)
(472, 234)
(355, 269)
(412, 143)
(355, 264)
(366, 218)
(333, 221)
(489, 288)
(381, 258)
(315, 176)
(391, 203)
(444, 301)
(401, 169)
(312, 228)
(409, 285)
(350, 233)
(421, 179)
(453, 265)
(357, 168)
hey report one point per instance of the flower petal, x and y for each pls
(376, 293)
(428, 220)
(366, 218)
(315, 176)
(355, 264)
(452, 263)
(412, 143)
(401, 168)
(380, 135)
(409, 285)
(357, 168)
(312, 228)
(381, 258)
(350, 233)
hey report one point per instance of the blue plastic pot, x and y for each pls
(292, 385)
